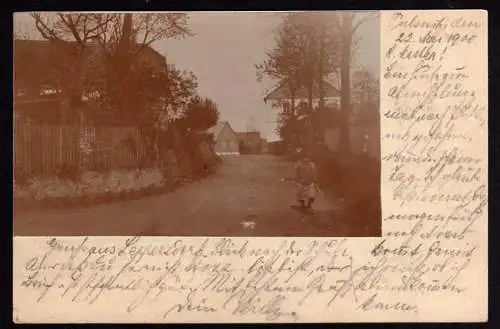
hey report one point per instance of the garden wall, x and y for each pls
(90, 184)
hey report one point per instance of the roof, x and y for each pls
(45, 47)
(217, 129)
(248, 135)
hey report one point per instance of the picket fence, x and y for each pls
(43, 149)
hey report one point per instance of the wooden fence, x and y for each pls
(43, 150)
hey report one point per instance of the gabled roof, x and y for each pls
(217, 129)
(248, 135)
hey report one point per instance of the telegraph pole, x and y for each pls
(251, 124)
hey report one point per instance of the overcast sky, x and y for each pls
(222, 55)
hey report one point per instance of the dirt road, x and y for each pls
(246, 197)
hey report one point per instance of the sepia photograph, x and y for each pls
(226, 124)
(250, 167)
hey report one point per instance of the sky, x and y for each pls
(222, 55)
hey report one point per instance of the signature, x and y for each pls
(251, 302)
(191, 305)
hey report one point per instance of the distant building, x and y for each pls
(225, 139)
(250, 142)
(364, 119)
(281, 92)
(276, 147)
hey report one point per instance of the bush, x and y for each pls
(359, 173)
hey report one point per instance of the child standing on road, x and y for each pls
(306, 179)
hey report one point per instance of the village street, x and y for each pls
(248, 196)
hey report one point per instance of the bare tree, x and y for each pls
(111, 45)
(70, 34)
(121, 38)
(305, 53)
(125, 40)
(366, 100)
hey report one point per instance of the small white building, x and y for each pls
(225, 139)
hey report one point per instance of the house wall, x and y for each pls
(227, 142)
(250, 142)
(253, 142)
(359, 143)
(276, 147)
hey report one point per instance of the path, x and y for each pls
(247, 197)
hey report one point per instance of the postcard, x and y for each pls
(241, 167)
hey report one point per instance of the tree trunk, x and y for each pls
(122, 66)
(71, 111)
(150, 157)
(310, 127)
(321, 82)
(65, 108)
(345, 85)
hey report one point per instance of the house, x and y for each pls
(225, 139)
(38, 68)
(37, 63)
(276, 147)
(282, 92)
(364, 117)
(250, 142)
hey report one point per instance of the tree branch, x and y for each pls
(336, 21)
(72, 27)
(98, 29)
(367, 18)
(355, 47)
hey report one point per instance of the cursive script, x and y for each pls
(429, 264)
